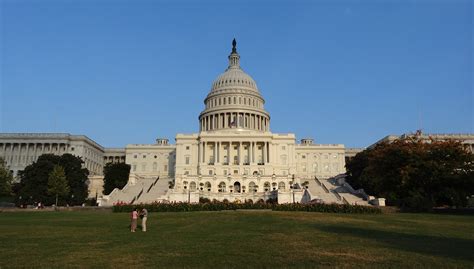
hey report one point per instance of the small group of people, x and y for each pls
(134, 217)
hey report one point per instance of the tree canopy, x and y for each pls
(57, 183)
(414, 173)
(34, 180)
(115, 176)
(6, 179)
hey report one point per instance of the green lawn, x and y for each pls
(236, 240)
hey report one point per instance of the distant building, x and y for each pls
(466, 139)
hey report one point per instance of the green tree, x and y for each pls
(57, 183)
(33, 186)
(414, 173)
(115, 176)
(6, 179)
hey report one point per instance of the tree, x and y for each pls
(415, 174)
(57, 182)
(33, 186)
(6, 179)
(77, 178)
(115, 176)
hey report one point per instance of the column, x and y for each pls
(218, 152)
(199, 153)
(264, 149)
(240, 153)
(215, 152)
(228, 153)
(204, 153)
(253, 151)
(268, 152)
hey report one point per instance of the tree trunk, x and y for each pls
(56, 200)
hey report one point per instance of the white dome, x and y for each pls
(234, 102)
(234, 78)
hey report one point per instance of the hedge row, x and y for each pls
(218, 206)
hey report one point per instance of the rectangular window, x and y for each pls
(166, 168)
(187, 159)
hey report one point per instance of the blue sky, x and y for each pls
(347, 72)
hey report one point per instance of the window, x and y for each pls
(211, 172)
(156, 156)
(225, 172)
(134, 167)
(187, 147)
(186, 173)
(143, 166)
(192, 186)
(144, 156)
(252, 187)
(166, 168)
(283, 147)
(281, 185)
(187, 159)
(222, 187)
(304, 168)
(155, 166)
(72, 149)
(135, 156)
(303, 156)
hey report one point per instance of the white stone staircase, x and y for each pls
(318, 190)
(330, 191)
(133, 191)
(157, 189)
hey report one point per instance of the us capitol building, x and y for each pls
(235, 156)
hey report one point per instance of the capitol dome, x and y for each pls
(234, 102)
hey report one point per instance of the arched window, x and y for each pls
(274, 186)
(252, 187)
(207, 185)
(221, 187)
(281, 185)
(266, 186)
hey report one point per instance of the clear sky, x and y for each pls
(342, 72)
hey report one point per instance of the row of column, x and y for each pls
(14, 153)
(235, 120)
(218, 153)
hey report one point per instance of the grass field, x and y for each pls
(236, 240)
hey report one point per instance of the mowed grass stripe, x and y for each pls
(233, 239)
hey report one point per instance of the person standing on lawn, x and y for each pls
(134, 217)
(144, 216)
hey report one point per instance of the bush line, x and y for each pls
(218, 206)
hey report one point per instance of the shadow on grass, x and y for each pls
(455, 248)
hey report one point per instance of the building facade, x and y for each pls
(234, 156)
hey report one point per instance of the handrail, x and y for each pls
(345, 200)
(324, 187)
(339, 197)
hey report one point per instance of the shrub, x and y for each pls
(218, 206)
